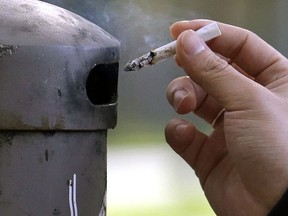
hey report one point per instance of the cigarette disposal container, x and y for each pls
(58, 97)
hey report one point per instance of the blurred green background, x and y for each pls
(144, 176)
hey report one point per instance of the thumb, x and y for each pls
(218, 78)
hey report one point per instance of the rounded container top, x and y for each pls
(32, 22)
(54, 67)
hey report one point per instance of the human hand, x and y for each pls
(242, 164)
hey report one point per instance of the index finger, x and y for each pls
(244, 48)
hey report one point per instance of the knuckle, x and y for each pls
(214, 68)
(215, 64)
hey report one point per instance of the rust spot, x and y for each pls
(7, 137)
(56, 212)
(46, 155)
(7, 50)
(59, 92)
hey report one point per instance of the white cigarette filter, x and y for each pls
(207, 33)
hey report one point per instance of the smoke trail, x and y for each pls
(139, 25)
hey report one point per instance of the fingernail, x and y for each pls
(192, 44)
(178, 97)
(179, 22)
(183, 22)
(180, 130)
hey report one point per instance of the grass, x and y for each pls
(195, 207)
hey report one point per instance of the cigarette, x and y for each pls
(207, 33)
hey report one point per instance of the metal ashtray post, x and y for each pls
(58, 93)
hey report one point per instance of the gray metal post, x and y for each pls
(58, 97)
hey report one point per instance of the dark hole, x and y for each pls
(102, 84)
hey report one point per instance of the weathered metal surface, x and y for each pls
(58, 97)
(46, 55)
(35, 167)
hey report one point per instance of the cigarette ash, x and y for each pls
(143, 61)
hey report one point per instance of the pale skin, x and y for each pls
(243, 164)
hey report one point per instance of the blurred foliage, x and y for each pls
(145, 133)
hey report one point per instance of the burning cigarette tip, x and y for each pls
(207, 33)
(129, 67)
(140, 62)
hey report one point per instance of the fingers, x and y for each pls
(213, 74)
(182, 93)
(244, 48)
(201, 153)
(185, 96)
(185, 140)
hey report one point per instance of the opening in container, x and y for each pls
(102, 84)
